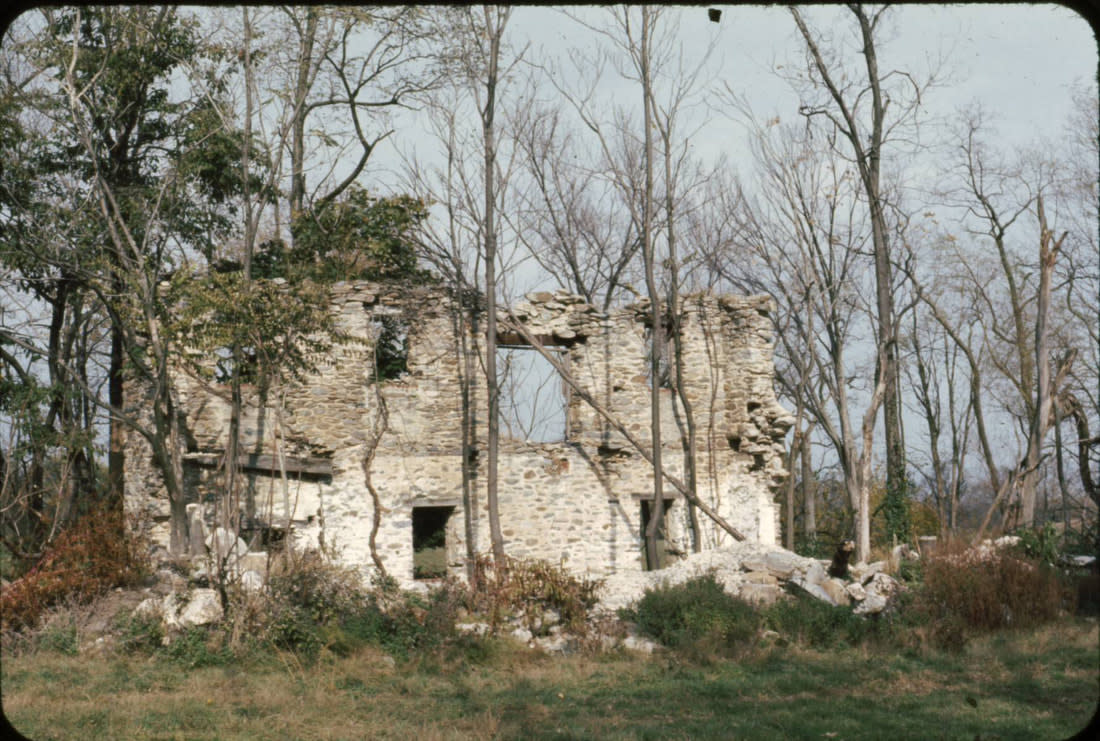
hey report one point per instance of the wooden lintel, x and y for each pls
(269, 464)
(437, 502)
(511, 338)
(649, 495)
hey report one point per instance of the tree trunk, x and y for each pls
(302, 84)
(495, 31)
(809, 489)
(1044, 393)
(657, 511)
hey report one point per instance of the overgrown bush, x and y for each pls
(1040, 544)
(139, 633)
(697, 616)
(94, 554)
(59, 637)
(530, 588)
(200, 646)
(313, 604)
(989, 591)
(325, 590)
(811, 622)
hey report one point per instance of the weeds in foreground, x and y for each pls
(1040, 683)
(990, 591)
(530, 588)
(91, 556)
(956, 598)
(697, 616)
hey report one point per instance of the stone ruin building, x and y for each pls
(572, 489)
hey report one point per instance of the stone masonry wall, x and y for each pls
(578, 502)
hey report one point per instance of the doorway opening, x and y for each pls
(430, 541)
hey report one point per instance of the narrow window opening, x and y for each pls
(391, 347)
(663, 550)
(430, 541)
(533, 398)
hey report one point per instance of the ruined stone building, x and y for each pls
(381, 420)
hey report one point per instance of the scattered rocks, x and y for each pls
(761, 574)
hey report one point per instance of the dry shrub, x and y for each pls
(989, 590)
(530, 588)
(94, 554)
(306, 592)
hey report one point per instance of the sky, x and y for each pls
(1020, 61)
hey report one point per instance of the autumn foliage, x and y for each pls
(93, 555)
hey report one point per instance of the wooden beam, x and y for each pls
(269, 464)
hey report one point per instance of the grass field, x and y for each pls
(1039, 684)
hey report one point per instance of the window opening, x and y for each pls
(533, 397)
(663, 550)
(391, 347)
(430, 541)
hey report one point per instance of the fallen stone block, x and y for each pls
(782, 563)
(874, 603)
(203, 608)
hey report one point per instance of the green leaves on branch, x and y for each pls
(282, 328)
(357, 237)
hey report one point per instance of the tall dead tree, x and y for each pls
(866, 141)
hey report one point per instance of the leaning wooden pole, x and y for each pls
(515, 325)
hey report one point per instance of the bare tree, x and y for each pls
(801, 238)
(576, 226)
(857, 106)
(993, 298)
(465, 246)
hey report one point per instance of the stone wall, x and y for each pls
(578, 501)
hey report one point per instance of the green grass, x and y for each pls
(1038, 684)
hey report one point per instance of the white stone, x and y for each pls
(637, 643)
(169, 610)
(203, 607)
(818, 592)
(874, 603)
(856, 591)
(224, 544)
(521, 634)
(251, 581)
(815, 574)
(782, 563)
(883, 584)
(861, 572)
(552, 644)
(149, 608)
(477, 629)
(760, 594)
(254, 561)
(834, 587)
